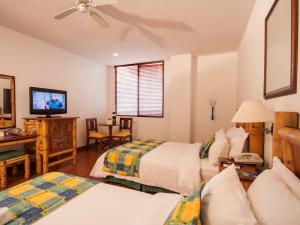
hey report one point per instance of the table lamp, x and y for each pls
(253, 112)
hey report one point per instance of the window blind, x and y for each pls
(127, 90)
(139, 90)
(151, 90)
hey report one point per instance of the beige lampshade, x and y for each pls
(252, 112)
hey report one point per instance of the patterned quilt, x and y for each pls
(36, 198)
(124, 160)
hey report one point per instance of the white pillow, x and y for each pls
(220, 134)
(5, 215)
(288, 176)
(234, 131)
(272, 201)
(224, 201)
(220, 148)
(237, 144)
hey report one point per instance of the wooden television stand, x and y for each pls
(57, 141)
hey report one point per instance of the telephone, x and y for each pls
(248, 158)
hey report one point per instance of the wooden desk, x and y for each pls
(247, 168)
(17, 140)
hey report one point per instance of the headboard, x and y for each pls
(286, 140)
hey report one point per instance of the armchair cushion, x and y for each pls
(122, 134)
(94, 134)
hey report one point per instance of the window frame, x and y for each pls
(138, 88)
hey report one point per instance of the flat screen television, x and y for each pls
(47, 101)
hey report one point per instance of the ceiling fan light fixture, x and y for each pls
(82, 8)
(88, 6)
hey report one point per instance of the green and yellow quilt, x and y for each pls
(36, 198)
(124, 160)
(187, 211)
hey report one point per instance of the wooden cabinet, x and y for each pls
(56, 141)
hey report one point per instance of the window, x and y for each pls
(139, 89)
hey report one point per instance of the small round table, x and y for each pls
(110, 128)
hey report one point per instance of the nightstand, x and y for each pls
(247, 172)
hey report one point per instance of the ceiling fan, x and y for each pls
(93, 7)
(88, 6)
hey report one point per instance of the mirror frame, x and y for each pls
(13, 98)
(292, 88)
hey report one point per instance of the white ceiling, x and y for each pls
(195, 26)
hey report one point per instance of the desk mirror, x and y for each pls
(281, 49)
(7, 102)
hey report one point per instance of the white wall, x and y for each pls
(251, 69)
(36, 63)
(189, 80)
(216, 76)
(178, 97)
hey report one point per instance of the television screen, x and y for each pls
(47, 101)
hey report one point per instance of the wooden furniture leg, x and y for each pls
(45, 163)
(27, 167)
(38, 163)
(87, 143)
(3, 181)
(75, 156)
(74, 143)
(110, 137)
(38, 157)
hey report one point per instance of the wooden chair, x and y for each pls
(92, 132)
(13, 158)
(125, 131)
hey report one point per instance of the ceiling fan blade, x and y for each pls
(65, 13)
(125, 32)
(99, 19)
(103, 2)
(151, 36)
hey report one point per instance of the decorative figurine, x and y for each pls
(212, 101)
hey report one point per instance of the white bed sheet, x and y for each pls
(207, 170)
(110, 205)
(173, 166)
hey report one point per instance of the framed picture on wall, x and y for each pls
(281, 49)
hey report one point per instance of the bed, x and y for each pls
(143, 208)
(49, 198)
(171, 165)
(99, 203)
